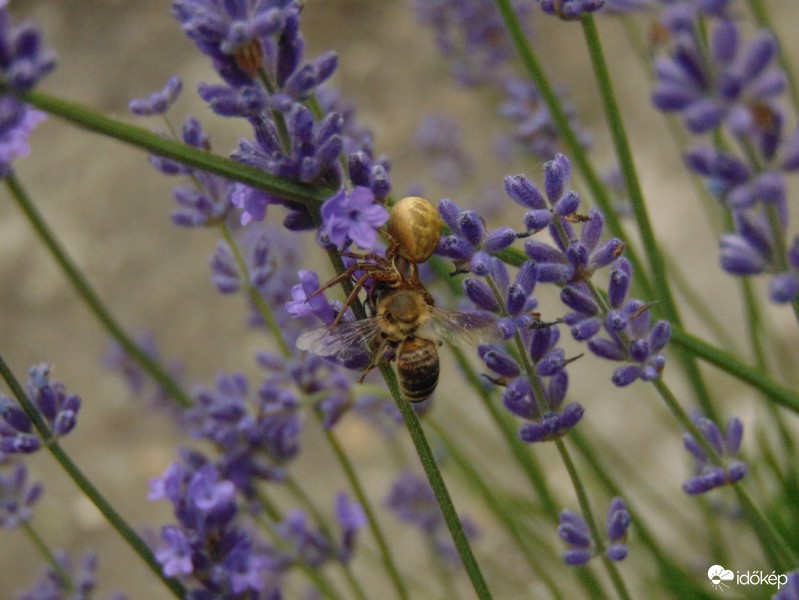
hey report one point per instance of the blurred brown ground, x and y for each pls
(111, 211)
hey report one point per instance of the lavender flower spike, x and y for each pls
(707, 474)
(352, 218)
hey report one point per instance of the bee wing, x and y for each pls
(327, 341)
(458, 327)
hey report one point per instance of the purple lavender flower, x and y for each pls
(254, 440)
(706, 93)
(352, 218)
(570, 10)
(790, 589)
(438, 139)
(540, 402)
(158, 102)
(17, 497)
(16, 429)
(412, 500)
(351, 518)
(575, 532)
(708, 474)
(534, 128)
(24, 61)
(471, 35)
(51, 585)
(469, 244)
(207, 543)
(17, 122)
(616, 524)
(57, 408)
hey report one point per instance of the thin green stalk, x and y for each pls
(496, 507)
(90, 297)
(728, 363)
(360, 493)
(780, 248)
(255, 296)
(106, 509)
(40, 545)
(138, 136)
(657, 265)
(782, 554)
(585, 508)
(577, 153)
(437, 483)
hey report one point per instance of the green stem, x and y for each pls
(588, 515)
(575, 149)
(657, 265)
(500, 511)
(65, 577)
(728, 363)
(255, 296)
(112, 516)
(146, 140)
(360, 493)
(90, 297)
(437, 484)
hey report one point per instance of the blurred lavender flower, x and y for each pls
(159, 102)
(17, 497)
(534, 129)
(351, 217)
(412, 500)
(438, 139)
(569, 10)
(51, 585)
(790, 590)
(17, 122)
(575, 532)
(254, 440)
(206, 543)
(471, 35)
(709, 475)
(734, 81)
(58, 409)
(24, 61)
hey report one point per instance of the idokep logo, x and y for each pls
(718, 575)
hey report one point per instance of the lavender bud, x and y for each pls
(625, 375)
(472, 226)
(606, 253)
(736, 471)
(537, 219)
(586, 329)
(567, 204)
(616, 552)
(659, 336)
(607, 349)
(522, 191)
(578, 301)
(499, 361)
(499, 239)
(478, 292)
(734, 434)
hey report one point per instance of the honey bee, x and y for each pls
(407, 326)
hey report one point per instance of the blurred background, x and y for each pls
(111, 211)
